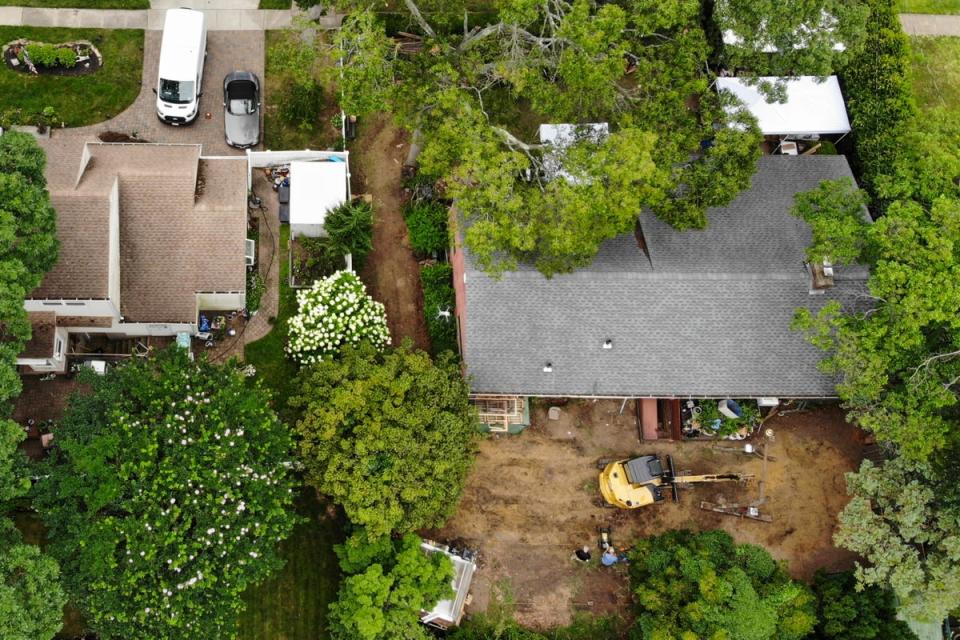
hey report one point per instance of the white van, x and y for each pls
(182, 52)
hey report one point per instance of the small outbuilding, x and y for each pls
(814, 106)
(315, 189)
(448, 613)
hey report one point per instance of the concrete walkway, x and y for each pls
(222, 15)
(921, 24)
(152, 19)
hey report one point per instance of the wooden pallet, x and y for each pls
(735, 510)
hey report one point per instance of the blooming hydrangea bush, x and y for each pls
(334, 312)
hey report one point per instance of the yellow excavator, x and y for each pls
(641, 481)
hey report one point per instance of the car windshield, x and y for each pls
(176, 91)
(241, 98)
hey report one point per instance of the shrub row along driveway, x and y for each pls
(226, 51)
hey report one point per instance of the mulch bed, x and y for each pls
(11, 59)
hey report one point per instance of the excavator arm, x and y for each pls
(712, 477)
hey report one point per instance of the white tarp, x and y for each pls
(812, 107)
(315, 189)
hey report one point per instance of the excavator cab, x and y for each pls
(637, 482)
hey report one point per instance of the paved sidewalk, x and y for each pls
(920, 24)
(217, 19)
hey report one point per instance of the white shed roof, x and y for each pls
(561, 136)
(315, 188)
(451, 611)
(812, 107)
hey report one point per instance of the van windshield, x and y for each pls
(176, 91)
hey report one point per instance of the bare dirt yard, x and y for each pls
(532, 499)
(391, 272)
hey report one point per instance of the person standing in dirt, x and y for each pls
(582, 554)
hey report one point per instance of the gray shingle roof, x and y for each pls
(707, 315)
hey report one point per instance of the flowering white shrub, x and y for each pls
(334, 312)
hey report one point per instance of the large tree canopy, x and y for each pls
(475, 95)
(389, 436)
(28, 245)
(899, 362)
(31, 598)
(703, 585)
(389, 582)
(166, 497)
(907, 526)
(846, 613)
(810, 38)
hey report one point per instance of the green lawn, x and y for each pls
(936, 72)
(79, 4)
(929, 6)
(78, 100)
(292, 605)
(266, 354)
(275, 4)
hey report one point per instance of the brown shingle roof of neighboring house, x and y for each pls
(173, 243)
(43, 326)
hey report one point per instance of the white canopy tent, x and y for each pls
(812, 107)
(315, 188)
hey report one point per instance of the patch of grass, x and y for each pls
(936, 72)
(77, 100)
(279, 134)
(274, 4)
(929, 6)
(273, 366)
(79, 4)
(292, 605)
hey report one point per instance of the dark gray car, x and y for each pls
(241, 109)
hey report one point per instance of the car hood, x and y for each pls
(242, 129)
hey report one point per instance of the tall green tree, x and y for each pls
(703, 585)
(877, 86)
(475, 95)
(389, 436)
(898, 358)
(388, 584)
(908, 530)
(166, 497)
(31, 598)
(847, 613)
(790, 38)
(28, 246)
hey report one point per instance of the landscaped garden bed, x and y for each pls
(77, 58)
(313, 259)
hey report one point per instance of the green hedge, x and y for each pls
(438, 295)
(879, 95)
(427, 224)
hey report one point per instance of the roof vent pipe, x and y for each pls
(608, 344)
(548, 368)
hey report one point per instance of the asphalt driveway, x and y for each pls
(226, 51)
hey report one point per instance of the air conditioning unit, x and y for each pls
(250, 252)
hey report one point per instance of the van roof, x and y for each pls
(182, 36)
